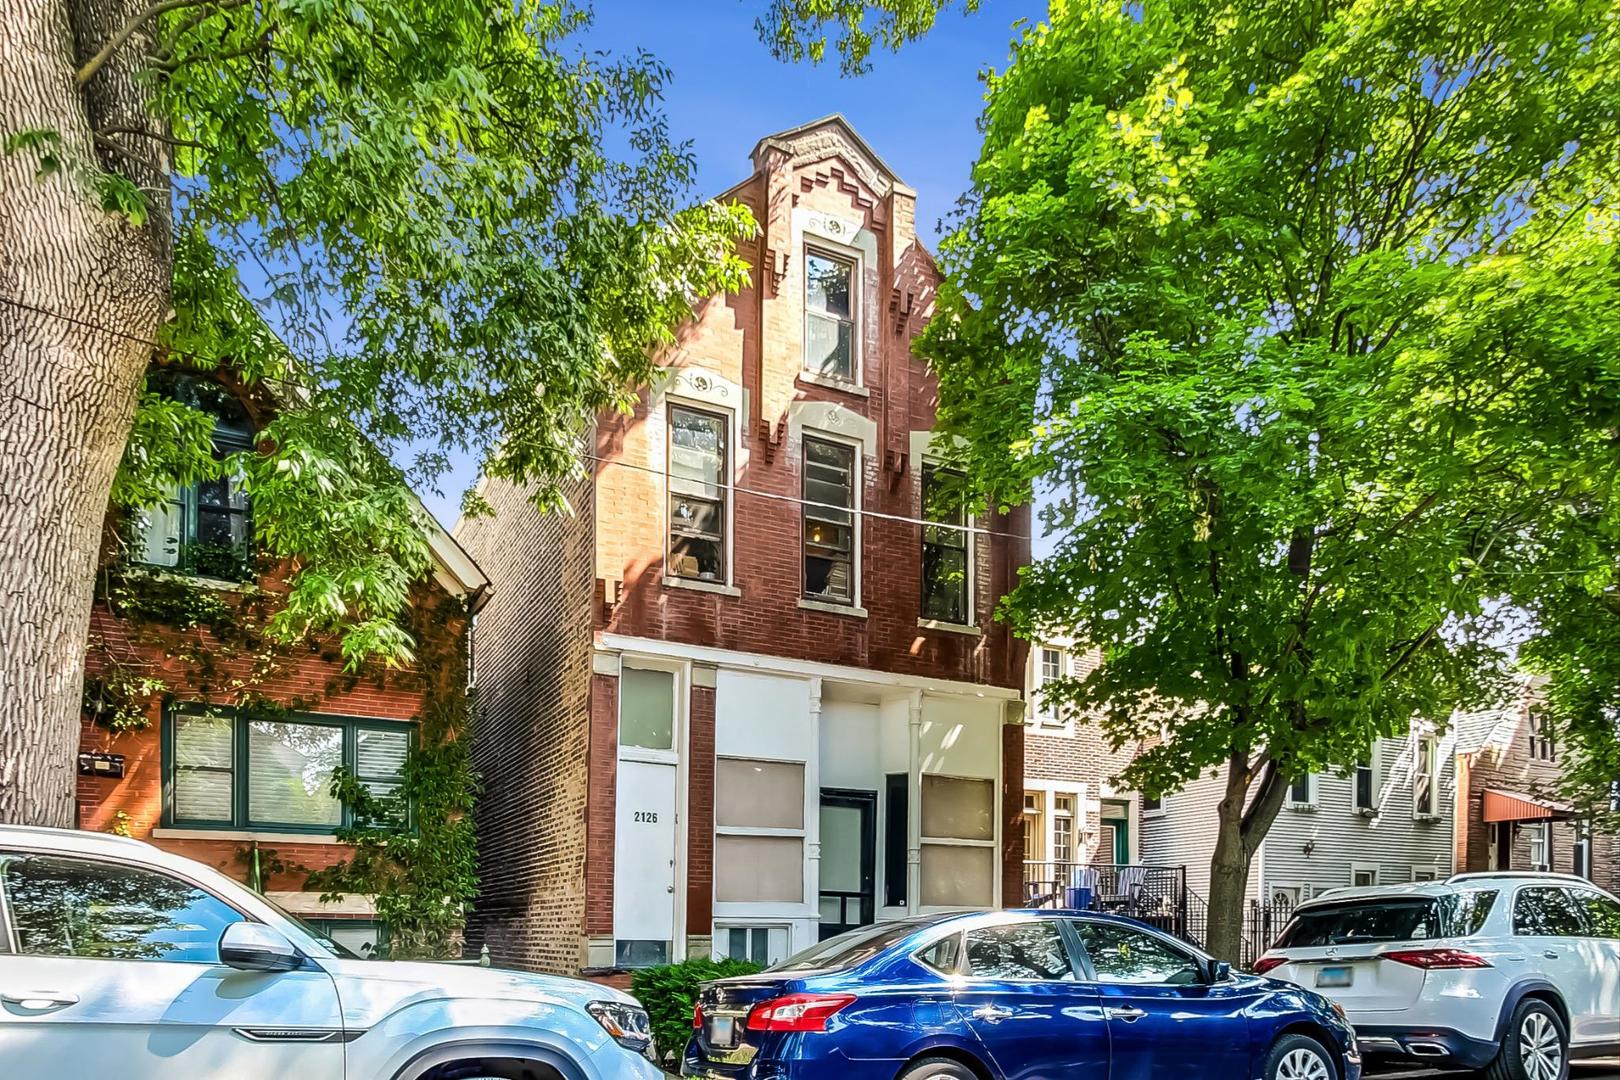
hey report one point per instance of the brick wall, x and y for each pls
(531, 735)
(313, 681)
(1012, 816)
(603, 807)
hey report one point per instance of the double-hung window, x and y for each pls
(236, 769)
(1425, 797)
(946, 555)
(829, 316)
(1363, 785)
(205, 528)
(958, 842)
(1049, 669)
(829, 520)
(759, 831)
(699, 480)
(1063, 829)
(1543, 746)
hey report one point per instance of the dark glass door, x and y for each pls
(848, 859)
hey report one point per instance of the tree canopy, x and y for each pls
(1302, 316)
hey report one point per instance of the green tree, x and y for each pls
(468, 229)
(797, 29)
(1298, 315)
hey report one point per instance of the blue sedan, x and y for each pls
(1013, 995)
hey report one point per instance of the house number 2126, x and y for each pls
(649, 816)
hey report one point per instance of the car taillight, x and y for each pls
(1266, 963)
(796, 1012)
(1429, 959)
(697, 1016)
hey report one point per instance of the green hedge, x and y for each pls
(669, 992)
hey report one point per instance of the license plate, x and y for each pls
(722, 1031)
(1333, 976)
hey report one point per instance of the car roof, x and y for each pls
(86, 842)
(1351, 893)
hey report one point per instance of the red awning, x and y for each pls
(1512, 806)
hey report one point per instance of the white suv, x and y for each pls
(1514, 973)
(117, 959)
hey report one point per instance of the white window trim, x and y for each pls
(771, 909)
(1365, 868)
(816, 243)
(722, 926)
(994, 843)
(970, 562)
(1052, 721)
(1543, 830)
(1157, 812)
(1376, 785)
(858, 497)
(1431, 870)
(726, 587)
(1311, 795)
(1426, 752)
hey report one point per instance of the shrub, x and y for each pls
(669, 992)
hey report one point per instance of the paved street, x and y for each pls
(1607, 1070)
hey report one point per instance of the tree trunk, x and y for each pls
(1242, 823)
(81, 293)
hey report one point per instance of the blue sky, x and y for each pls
(917, 108)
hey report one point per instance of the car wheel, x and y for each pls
(1299, 1057)
(1535, 1045)
(938, 1068)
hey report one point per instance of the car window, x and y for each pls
(1031, 949)
(109, 911)
(1416, 918)
(1546, 911)
(851, 948)
(943, 955)
(1602, 913)
(1120, 954)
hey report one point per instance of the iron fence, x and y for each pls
(1261, 925)
(1154, 894)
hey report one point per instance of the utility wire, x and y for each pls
(733, 488)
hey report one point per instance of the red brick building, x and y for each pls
(204, 738)
(744, 698)
(1509, 814)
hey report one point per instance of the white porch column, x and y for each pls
(914, 803)
(812, 808)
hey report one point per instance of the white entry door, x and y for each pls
(644, 864)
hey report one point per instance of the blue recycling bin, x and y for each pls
(1077, 898)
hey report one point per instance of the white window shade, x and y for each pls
(647, 709)
(954, 876)
(752, 794)
(204, 750)
(758, 869)
(290, 770)
(958, 809)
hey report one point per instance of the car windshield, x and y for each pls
(1385, 919)
(851, 948)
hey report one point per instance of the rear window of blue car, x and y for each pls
(851, 948)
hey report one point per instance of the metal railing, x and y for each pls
(1261, 925)
(1154, 894)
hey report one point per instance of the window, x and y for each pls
(1363, 788)
(1050, 668)
(1063, 828)
(944, 955)
(1033, 821)
(762, 945)
(1425, 797)
(1581, 851)
(829, 521)
(1122, 955)
(1545, 911)
(1602, 913)
(1543, 745)
(232, 768)
(204, 529)
(1363, 874)
(1540, 846)
(646, 709)
(946, 554)
(1301, 792)
(759, 823)
(1152, 804)
(1357, 922)
(365, 938)
(699, 480)
(1425, 873)
(1027, 951)
(958, 845)
(107, 911)
(829, 316)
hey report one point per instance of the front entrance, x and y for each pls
(1114, 841)
(646, 820)
(848, 859)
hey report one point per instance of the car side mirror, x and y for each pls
(1219, 971)
(250, 946)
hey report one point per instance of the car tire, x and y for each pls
(938, 1068)
(1535, 1045)
(1299, 1057)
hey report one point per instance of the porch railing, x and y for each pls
(1154, 894)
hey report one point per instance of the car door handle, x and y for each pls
(1549, 954)
(1130, 1014)
(40, 1000)
(991, 1013)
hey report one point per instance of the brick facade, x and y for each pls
(740, 358)
(535, 735)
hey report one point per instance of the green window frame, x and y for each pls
(186, 764)
(173, 532)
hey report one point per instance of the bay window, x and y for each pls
(830, 475)
(699, 482)
(231, 768)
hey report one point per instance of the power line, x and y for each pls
(736, 488)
